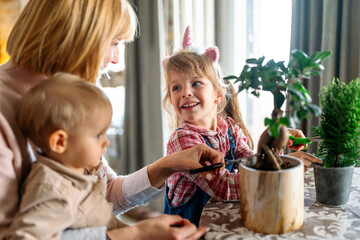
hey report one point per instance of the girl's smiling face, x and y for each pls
(194, 99)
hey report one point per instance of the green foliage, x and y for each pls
(340, 124)
(284, 83)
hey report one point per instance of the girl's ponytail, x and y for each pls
(232, 109)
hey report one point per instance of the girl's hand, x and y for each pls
(295, 133)
(196, 157)
(163, 227)
(306, 158)
(191, 158)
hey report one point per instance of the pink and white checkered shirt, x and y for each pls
(223, 186)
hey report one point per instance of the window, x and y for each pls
(267, 29)
(112, 82)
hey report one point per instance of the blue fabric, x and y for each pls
(193, 207)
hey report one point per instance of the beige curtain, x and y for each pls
(143, 140)
(143, 123)
(327, 25)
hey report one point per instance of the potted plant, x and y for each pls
(272, 187)
(339, 129)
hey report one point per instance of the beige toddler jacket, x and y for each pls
(56, 198)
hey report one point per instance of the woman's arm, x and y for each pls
(159, 228)
(140, 187)
(12, 171)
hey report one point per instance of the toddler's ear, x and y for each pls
(164, 61)
(58, 141)
(212, 53)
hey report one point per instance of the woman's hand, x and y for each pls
(296, 133)
(185, 160)
(159, 228)
(306, 158)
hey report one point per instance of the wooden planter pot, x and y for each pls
(272, 202)
(333, 185)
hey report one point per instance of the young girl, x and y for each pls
(207, 111)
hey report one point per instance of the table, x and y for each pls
(320, 222)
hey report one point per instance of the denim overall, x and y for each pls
(193, 207)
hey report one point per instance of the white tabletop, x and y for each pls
(320, 222)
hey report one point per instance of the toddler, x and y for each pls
(67, 118)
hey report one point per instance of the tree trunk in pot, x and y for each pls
(272, 202)
(333, 185)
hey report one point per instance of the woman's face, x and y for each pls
(111, 54)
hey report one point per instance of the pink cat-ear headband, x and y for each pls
(211, 52)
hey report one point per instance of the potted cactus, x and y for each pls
(339, 129)
(272, 186)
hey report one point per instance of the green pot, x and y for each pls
(333, 185)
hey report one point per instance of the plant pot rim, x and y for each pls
(323, 167)
(300, 165)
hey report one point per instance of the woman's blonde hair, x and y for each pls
(64, 101)
(187, 61)
(69, 35)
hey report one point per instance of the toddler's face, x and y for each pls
(194, 99)
(88, 144)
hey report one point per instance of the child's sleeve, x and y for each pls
(126, 192)
(183, 139)
(222, 187)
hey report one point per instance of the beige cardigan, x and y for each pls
(56, 198)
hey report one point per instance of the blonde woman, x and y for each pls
(79, 37)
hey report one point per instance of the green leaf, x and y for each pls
(279, 99)
(275, 129)
(320, 56)
(315, 110)
(230, 77)
(267, 121)
(284, 121)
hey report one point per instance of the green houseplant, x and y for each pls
(284, 82)
(272, 187)
(339, 129)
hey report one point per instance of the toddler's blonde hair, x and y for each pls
(64, 101)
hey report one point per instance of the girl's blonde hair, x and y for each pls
(69, 35)
(65, 102)
(187, 61)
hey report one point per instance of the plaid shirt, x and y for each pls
(223, 186)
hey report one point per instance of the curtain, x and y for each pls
(143, 123)
(198, 14)
(324, 25)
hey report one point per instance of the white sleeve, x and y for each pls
(126, 192)
(137, 189)
(94, 233)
